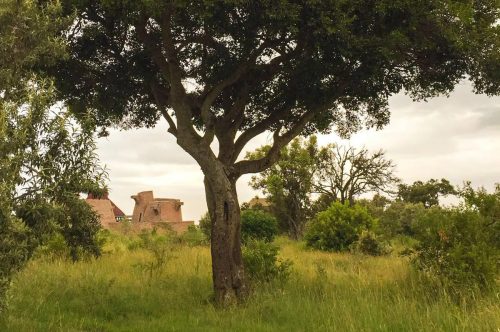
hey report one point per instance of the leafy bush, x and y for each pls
(255, 224)
(258, 225)
(456, 249)
(194, 236)
(370, 244)
(161, 249)
(338, 227)
(206, 225)
(261, 262)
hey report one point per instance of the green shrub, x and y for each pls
(206, 225)
(255, 224)
(338, 227)
(55, 248)
(258, 225)
(456, 250)
(261, 262)
(161, 249)
(194, 236)
(371, 244)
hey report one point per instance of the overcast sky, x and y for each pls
(457, 138)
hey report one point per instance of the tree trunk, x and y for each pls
(227, 263)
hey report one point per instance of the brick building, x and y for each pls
(108, 211)
(150, 209)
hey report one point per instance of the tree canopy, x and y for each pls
(285, 66)
(29, 37)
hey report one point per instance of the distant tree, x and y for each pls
(231, 70)
(288, 183)
(400, 218)
(426, 193)
(345, 173)
(380, 201)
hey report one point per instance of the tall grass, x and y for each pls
(326, 292)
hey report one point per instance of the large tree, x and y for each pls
(231, 70)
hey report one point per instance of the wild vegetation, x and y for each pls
(323, 292)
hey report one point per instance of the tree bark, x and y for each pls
(227, 264)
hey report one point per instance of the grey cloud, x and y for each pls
(489, 118)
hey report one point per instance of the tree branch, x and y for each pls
(255, 166)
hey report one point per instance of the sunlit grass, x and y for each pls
(326, 292)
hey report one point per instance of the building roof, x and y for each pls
(104, 208)
(258, 201)
(116, 210)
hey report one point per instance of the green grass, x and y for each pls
(326, 292)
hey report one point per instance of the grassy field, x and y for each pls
(325, 292)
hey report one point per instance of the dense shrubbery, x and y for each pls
(161, 248)
(16, 246)
(338, 227)
(194, 236)
(258, 225)
(205, 225)
(456, 249)
(371, 244)
(255, 224)
(262, 263)
(54, 248)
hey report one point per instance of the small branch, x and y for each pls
(211, 94)
(155, 52)
(162, 106)
(205, 40)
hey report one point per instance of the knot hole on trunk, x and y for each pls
(226, 212)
